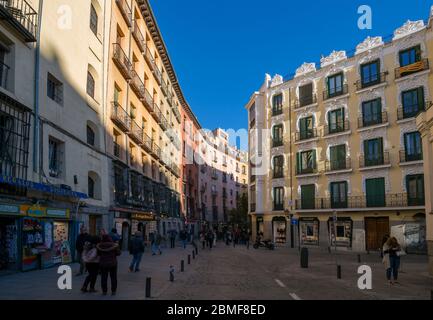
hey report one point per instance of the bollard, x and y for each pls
(329, 250)
(304, 258)
(148, 287)
(338, 272)
(171, 274)
(359, 258)
(196, 251)
(193, 255)
(189, 259)
(182, 266)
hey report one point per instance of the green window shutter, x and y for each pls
(298, 162)
(314, 159)
(303, 125)
(420, 96)
(418, 53)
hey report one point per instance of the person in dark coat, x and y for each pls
(136, 249)
(108, 252)
(91, 258)
(82, 238)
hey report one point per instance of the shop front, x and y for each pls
(279, 230)
(309, 231)
(340, 233)
(260, 226)
(46, 237)
(9, 237)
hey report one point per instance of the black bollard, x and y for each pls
(304, 258)
(189, 259)
(171, 274)
(193, 255)
(182, 266)
(196, 251)
(148, 287)
(359, 258)
(338, 272)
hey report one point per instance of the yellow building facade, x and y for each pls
(336, 156)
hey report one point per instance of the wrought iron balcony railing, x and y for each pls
(374, 160)
(407, 157)
(137, 85)
(139, 37)
(121, 60)
(339, 91)
(336, 165)
(277, 143)
(411, 111)
(412, 68)
(372, 120)
(21, 16)
(308, 170)
(305, 101)
(339, 127)
(373, 80)
(306, 135)
(126, 11)
(120, 116)
(277, 111)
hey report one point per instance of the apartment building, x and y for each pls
(223, 176)
(143, 134)
(336, 155)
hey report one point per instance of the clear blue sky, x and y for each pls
(221, 49)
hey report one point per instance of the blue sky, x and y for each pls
(221, 49)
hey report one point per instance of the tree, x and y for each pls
(239, 215)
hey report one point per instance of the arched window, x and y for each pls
(93, 20)
(90, 88)
(90, 136)
(91, 187)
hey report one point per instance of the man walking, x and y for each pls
(136, 249)
(173, 234)
(183, 237)
(82, 238)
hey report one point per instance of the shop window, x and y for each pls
(342, 228)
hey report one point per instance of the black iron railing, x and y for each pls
(411, 111)
(335, 165)
(121, 60)
(372, 80)
(407, 157)
(306, 134)
(338, 91)
(372, 120)
(21, 15)
(374, 160)
(120, 116)
(412, 68)
(305, 101)
(338, 127)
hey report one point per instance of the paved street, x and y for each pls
(237, 273)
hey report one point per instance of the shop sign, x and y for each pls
(35, 211)
(143, 216)
(59, 213)
(294, 222)
(11, 210)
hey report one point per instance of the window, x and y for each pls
(308, 196)
(90, 136)
(244, 170)
(413, 146)
(306, 128)
(54, 158)
(91, 187)
(370, 73)
(116, 143)
(375, 190)
(278, 163)
(415, 190)
(373, 150)
(338, 157)
(372, 112)
(335, 85)
(277, 135)
(279, 198)
(54, 89)
(410, 56)
(93, 20)
(336, 121)
(306, 95)
(339, 195)
(413, 102)
(90, 88)
(4, 68)
(306, 162)
(277, 104)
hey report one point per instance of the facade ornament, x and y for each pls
(333, 58)
(368, 44)
(276, 80)
(305, 68)
(408, 28)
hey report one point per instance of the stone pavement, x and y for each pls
(228, 273)
(40, 285)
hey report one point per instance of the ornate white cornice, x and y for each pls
(305, 68)
(408, 28)
(333, 58)
(368, 44)
(276, 80)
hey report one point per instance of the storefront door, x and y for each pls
(375, 230)
(8, 244)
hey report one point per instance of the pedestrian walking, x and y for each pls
(173, 234)
(136, 249)
(391, 259)
(158, 242)
(82, 238)
(384, 240)
(203, 239)
(210, 239)
(183, 237)
(108, 252)
(91, 259)
(114, 235)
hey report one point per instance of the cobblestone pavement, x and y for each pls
(228, 273)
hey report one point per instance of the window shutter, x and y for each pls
(314, 159)
(418, 53)
(420, 96)
(298, 161)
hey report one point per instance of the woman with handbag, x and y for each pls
(391, 259)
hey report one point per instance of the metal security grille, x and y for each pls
(14, 138)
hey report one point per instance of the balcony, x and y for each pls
(20, 16)
(119, 116)
(253, 207)
(373, 80)
(147, 143)
(338, 165)
(121, 60)
(151, 61)
(116, 149)
(136, 132)
(214, 192)
(305, 101)
(148, 101)
(163, 122)
(137, 85)
(156, 112)
(306, 135)
(164, 88)
(278, 174)
(278, 207)
(412, 111)
(405, 157)
(139, 38)
(215, 176)
(412, 68)
(277, 111)
(375, 119)
(374, 160)
(125, 10)
(277, 143)
(339, 127)
(156, 150)
(177, 114)
(390, 201)
(306, 171)
(340, 91)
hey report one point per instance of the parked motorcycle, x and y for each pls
(268, 244)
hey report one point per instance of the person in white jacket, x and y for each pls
(91, 259)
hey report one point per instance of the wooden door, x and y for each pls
(376, 229)
(92, 225)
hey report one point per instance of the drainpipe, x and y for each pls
(36, 131)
